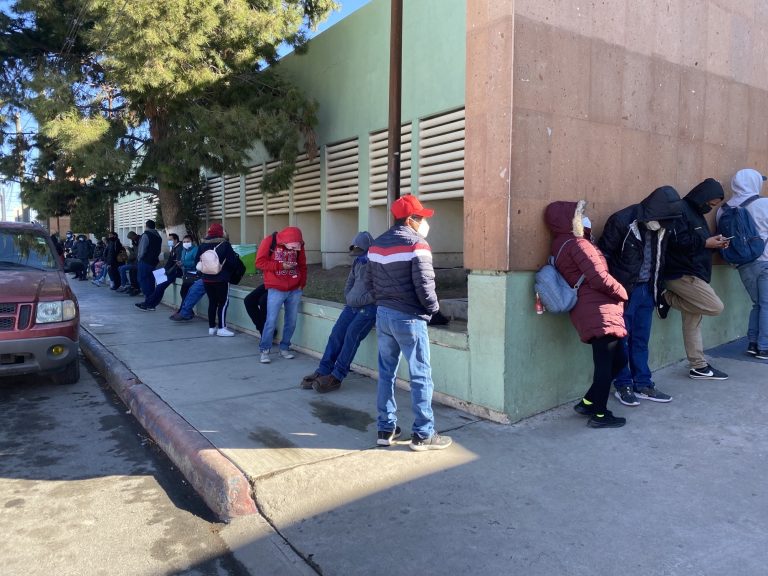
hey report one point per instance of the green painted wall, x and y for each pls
(347, 67)
(542, 361)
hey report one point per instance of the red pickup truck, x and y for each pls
(39, 315)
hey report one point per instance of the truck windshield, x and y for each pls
(25, 249)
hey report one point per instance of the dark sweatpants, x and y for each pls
(609, 358)
(218, 300)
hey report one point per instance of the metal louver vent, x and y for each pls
(441, 156)
(306, 185)
(278, 203)
(254, 199)
(232, 196)
(213, 193)
(342, 172)
(378, 161)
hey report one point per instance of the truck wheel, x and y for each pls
(70, 375)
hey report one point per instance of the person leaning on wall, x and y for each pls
(598, 315)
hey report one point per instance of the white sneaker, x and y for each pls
(287, 354)
(265, 358)
(212, 331)
(225, 332)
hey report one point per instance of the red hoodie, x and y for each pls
(272, 264)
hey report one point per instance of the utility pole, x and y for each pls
(20, 148)
(3, 188)
(395, 95)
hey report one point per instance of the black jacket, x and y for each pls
(686, 253)
(623, 239)
(111, 251)
(227, 257)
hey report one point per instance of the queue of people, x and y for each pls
(653, 256)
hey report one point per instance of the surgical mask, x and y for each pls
(170, 243)
(586, 222)
(653, 225)
(187, 245)
(423, 228)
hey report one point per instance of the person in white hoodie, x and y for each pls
(754, 275)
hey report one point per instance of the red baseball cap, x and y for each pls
(409, 205)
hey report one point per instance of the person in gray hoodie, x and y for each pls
(747, 184)
(353, 325)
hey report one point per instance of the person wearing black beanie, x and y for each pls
(688, 272)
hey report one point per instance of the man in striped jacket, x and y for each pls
(402, 280)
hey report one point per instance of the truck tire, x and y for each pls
(70, 375)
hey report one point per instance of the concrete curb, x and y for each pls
(222, 485)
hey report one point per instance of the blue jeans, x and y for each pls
(400, 332)
(349, 331)
(275, 300)
(196, 292)
(754, 276)
(157, 294)
(124, 271)
(146, 279)
(638, 316)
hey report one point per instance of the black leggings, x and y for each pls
(218, 300)
(609, 358)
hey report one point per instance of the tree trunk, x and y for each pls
(168, 196)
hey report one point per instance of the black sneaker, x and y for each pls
(434, 442)
(606, 420)
(583, 409)
(388, 437)
(662, 306)
(752, 349)
(707, 373)
(626, 396)
(648, 393)
(307, 381)
(762, 354)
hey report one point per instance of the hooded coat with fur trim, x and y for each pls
(599, 310)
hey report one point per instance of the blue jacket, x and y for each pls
(400, 274)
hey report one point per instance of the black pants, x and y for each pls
(186, 284)
(256, 306)
(218, 300)
(609, 358)
(114, 275)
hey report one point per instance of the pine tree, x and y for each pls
(139, 95)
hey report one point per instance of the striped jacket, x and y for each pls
(400, 273)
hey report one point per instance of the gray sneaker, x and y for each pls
(434, 442)
(652, 394)
(626, 396)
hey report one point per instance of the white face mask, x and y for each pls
(423, 228)
(170, 243)
(653, 225)
(187, 245)
(586, 222)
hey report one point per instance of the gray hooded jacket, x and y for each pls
(356, 294)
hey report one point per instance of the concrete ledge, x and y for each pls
(222, 485)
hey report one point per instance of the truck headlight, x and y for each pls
(59, 311)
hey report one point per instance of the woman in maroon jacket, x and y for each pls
(599, 313)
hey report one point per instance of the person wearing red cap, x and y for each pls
(217, 285)
(282, 259)
(402, 280)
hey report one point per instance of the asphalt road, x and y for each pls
(84, 492)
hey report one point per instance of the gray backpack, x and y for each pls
(556, 294)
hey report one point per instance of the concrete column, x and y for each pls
(488, 151)
(243, 219)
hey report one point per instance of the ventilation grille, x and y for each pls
(441, 156)
(214, 197)
(306, 185)
(25, 316)
(342, 175)
(232, 196)
(278, 203)
(378, 156)
(7, 323)
(254, 199)
(7, 308)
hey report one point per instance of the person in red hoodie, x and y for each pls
(282, 259)
(599, 312)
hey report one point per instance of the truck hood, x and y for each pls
(31, 285)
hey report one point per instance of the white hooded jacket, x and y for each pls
(745, 184)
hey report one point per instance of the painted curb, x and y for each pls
(222, 485)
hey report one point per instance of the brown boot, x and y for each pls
(307, 381)
(327, 383)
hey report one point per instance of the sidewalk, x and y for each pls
(680, 490)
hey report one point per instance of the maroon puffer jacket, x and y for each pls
(600, 308)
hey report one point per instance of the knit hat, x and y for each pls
(215, 230)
